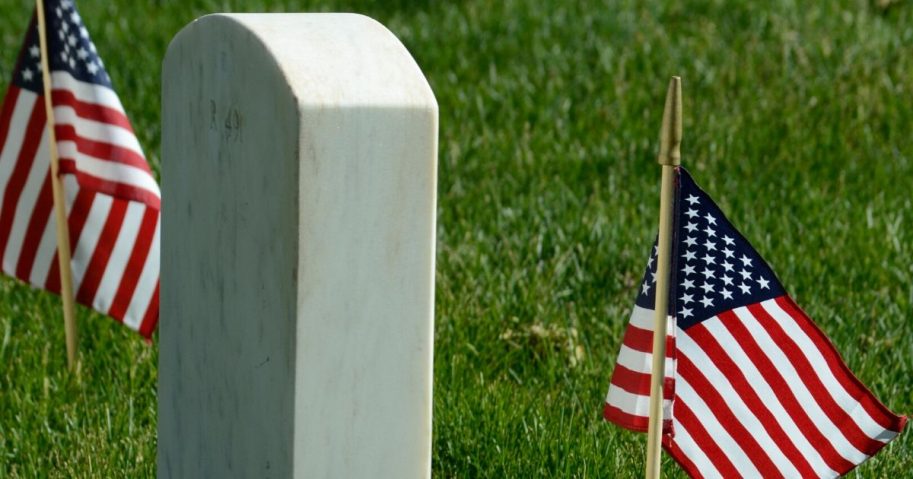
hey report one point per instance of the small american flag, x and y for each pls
(112, 198)
(753, 388)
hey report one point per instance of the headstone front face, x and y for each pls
(298, 230)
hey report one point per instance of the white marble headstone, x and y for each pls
(299, 179)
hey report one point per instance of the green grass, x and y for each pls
(798, 119)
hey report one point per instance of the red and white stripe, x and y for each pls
(628, 400)
(112, 200)
(761, 392)
(96, 142)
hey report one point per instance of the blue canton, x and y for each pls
(69, 49)
(714, 267)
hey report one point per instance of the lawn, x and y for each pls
(798, 121)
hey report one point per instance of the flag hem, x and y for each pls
(630, 422)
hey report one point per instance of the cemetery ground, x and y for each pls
(797, 120)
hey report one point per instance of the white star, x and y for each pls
(710, 231)
(746, 261)
(61, 34)
(710, 245)
(690, 227)
(707, 273)
(71, 40)
(653, 276)
(59, 12)
(727, 265)
(708, 259)
(92, 47)
(689, 255)
(645, 288)
(691, 212)
(693, 200)
(82, 53)
(745, 289)
(707, 287)
(92, 67)
(34, 51)
(746, 275)
(688, 284)
(74, 17)
(726, 293)
(650, 262)
(727, 280)
(687, 298)
(65, 26)
(72, 62)
(63, 56)
(690, 241)
(27, 75)
(688, 269)
(710, 219)
(728, 252)
(83, 32)
(707, 302)
(728, 240)
(686, 312)
(763, 282)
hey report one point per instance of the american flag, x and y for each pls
(752, 387)
(112, 198)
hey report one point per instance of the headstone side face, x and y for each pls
(375, 244)
(300, 170)
(230, 217)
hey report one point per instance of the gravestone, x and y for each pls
(299, 186)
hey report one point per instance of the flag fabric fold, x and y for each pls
(112, 197)
(752, 388)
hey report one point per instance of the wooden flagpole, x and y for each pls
(670, 139)
(60, 210)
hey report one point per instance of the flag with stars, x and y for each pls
(752, 387)
(111, 196)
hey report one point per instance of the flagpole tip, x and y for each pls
(670, 137)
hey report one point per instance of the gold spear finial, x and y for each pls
(670, 137)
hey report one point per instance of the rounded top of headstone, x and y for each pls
(326, 58)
